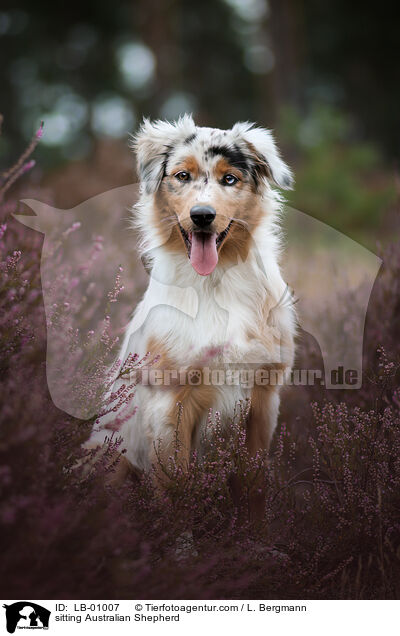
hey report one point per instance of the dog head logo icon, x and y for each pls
(26, 615)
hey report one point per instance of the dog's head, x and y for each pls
(205, 190)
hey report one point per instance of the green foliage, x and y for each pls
(339, 179)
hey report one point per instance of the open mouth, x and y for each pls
(202, 248)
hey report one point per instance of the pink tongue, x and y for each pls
(203, 254)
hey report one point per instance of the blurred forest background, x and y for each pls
(324, 75)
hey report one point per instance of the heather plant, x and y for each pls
(331, 523)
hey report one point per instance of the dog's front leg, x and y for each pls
(171, 451)
(263, 417)
(261, 423)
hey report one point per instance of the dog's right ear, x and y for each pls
(153, 143)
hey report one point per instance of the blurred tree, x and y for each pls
(287, 35)
(352, 60)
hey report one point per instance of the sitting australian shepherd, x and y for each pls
(208, 222)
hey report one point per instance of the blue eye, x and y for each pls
(229, 179)
(182, 176)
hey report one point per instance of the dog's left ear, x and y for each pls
(153, 142)
(267, 160)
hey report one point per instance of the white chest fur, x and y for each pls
(195, 313)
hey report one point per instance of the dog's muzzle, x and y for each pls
(202, 242)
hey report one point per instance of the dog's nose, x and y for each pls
(202, 215)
